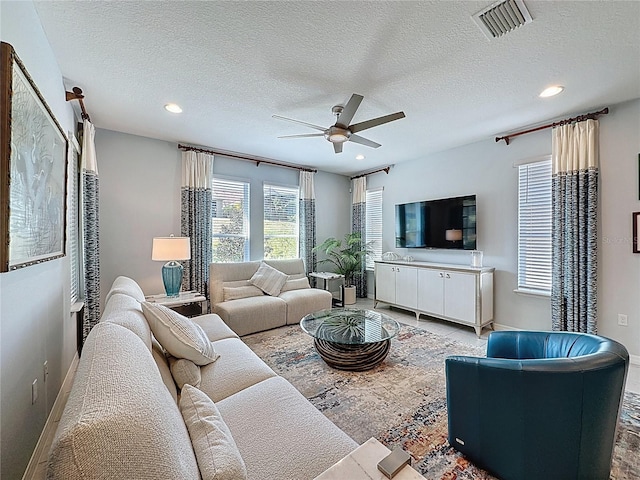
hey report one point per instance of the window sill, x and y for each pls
(532, 293)
(76, 307)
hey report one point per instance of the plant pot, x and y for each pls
(349, 297)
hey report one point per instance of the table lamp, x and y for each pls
(171, 249)
(453, 235)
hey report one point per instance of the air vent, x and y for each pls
(502, 17)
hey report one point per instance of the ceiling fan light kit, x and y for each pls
(342, 131)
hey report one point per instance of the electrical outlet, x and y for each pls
(622, 320)
(45, 365)
(34, 391)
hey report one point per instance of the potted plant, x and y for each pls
(346, 258)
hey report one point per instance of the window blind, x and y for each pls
(74, 232)
(230, 220)
(374, 225)
(534, 226)
(280, 222)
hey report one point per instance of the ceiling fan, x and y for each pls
(341, 131)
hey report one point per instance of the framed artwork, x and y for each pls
(636, 230)
(33, 170)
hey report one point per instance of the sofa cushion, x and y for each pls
(284, 436)
(268, 279)
(216, 452)
(120, 421)
(163, 367)
(250, 315)
(214, 327)
(126, 311)
(295, 284)
(305, 301)
(237, 368)
(178, 335)
(125, 286)
(184, 371)
(245, 291)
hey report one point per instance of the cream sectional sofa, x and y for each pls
(122, 420)
(262, 312)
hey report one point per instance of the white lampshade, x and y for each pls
(171, 248)
(453, 235)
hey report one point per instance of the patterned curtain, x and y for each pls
(575, 225)
(358, 224)
(90, 229)
(196, 221)
(307, 221)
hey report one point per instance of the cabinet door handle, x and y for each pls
(448, 276)
(441, 275)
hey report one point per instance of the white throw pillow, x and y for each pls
(216, 451)
(295, 284)
(178, 335)
(268, 279)
(185, 371)
(236, 293)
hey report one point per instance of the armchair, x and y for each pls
(542, 405)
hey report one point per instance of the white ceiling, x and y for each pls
(231, 65)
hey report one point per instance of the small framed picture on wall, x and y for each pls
(636, 231)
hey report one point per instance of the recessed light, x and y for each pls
(360, 157)
(173, 108)
(551, 91)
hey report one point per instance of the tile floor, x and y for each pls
(440, 327)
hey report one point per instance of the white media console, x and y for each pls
(458, 293)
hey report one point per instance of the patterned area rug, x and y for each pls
(403, 401)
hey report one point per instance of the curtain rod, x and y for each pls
(249, 158)
(76, 94)
(579, 118)
(385, 170)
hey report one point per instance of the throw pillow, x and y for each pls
(236, 293)
(268, 279)
(296, 284)
(178, 335)
(216, 451)
(185, 371)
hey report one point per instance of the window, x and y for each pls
(280, 222)
(230, 220)
(534, 226)
(73, 222)
(374, 225)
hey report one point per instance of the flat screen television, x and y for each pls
(443, 223)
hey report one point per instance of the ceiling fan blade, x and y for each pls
(349, 110)
(317, 127)
(303, 135)
(374, 122)
(337, 147)
(363, 141)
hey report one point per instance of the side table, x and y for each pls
(362, 464)
(326, 277)
(184, 303)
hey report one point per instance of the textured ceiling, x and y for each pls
(231, 65)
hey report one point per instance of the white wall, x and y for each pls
(140, 198)
(35, 323)
(486, 169)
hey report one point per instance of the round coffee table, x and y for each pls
(351, 339)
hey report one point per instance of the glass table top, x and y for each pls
(350, 326)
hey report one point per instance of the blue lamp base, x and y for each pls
(172, 278)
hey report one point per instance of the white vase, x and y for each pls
(349, 295)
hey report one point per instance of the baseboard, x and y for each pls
(634, 359)
(41, 450)
(499, 326)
